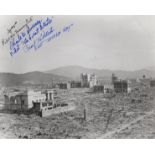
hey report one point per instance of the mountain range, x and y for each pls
(68, 73)
(75, 71)
(12, 79)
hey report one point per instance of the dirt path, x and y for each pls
(109, 134)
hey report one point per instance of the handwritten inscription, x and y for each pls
(33, 35)
(13, 31)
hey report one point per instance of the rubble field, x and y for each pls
(96, 116)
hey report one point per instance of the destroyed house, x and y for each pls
(121, 86)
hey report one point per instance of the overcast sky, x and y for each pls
(103, 42)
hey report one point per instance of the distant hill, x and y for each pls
(68, 73)
(71, 71)
(75, 71)
(11, 79)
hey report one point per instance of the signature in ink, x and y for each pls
(35, 35)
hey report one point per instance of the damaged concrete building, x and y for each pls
(88, 80)
(39, 102)
(23, 100)
(75, 84)
(120, 86)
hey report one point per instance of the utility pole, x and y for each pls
(108, 119)
(85, 113)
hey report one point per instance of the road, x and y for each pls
(124, 126)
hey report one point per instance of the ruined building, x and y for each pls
(25, 100)
(121, 86)
(66, 85)
(75, 84)
(39, 102)
(88, 80)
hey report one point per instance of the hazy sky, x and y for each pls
(103, 42)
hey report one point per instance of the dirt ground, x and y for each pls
(106, 117)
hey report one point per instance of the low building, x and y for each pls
(66, 85)
(121, 86)
(39, 102)
(24, 100)
(75, 84)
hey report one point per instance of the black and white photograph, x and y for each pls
(77, 77)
